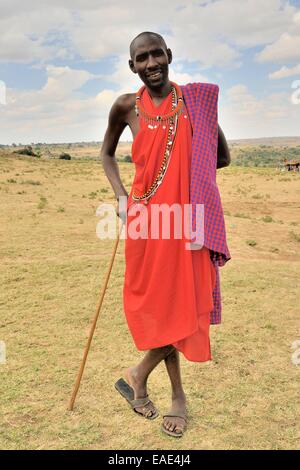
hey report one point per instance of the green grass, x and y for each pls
(52, 272)
(295, 236)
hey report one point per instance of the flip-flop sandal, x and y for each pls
(174, 433)
(127, 392)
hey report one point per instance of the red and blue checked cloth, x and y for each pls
(201, 100)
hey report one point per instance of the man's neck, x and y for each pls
(161, 92)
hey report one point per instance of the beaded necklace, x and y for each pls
(170, 119)
(157, 118)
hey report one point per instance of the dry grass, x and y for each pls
(53, 267)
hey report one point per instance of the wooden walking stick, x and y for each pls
(87, 348)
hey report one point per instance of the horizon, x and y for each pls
(130, 141)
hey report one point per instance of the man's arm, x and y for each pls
(116, 125)
(223, 150)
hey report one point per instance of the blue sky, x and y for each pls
(63, 63)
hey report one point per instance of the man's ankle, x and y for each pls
(179, 395)
(139, 374)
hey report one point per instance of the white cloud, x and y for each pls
(236, 22)
(243, 102)
(31, 34)
(287, 47)
(68, 116)
(211, 32)
(62, 81)
(296, 19)
(242, 115)
(59, 112)
(285, 72)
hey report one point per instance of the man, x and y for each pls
(169, 292)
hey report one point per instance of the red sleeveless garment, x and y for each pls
(167, 295)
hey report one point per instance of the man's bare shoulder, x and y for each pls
(125, 103)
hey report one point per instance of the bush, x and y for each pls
(26, 151)
(127, 158)
(294, 236)
(42, 203)
(267, 218)
(65, 156)
(34, 183)
(251, 242)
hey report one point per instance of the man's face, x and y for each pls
(151, 61)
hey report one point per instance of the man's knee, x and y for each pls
(170, 350)
(164, 350)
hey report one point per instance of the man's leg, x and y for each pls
(178, 396)
(138, 375)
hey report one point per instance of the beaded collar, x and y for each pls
(177, 107)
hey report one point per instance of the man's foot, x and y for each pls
(144, 406)
(174, 423)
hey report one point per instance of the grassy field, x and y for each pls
(52, 271)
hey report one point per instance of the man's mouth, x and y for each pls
(154, 76)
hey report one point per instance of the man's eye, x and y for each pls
(141, 58)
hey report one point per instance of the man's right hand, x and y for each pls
(121, 209)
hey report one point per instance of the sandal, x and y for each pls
(175, 433)
(127, 392)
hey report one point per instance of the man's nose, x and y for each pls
(151, 62)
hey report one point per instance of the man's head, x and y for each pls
(150, 59)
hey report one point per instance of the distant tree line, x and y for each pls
(265, 156)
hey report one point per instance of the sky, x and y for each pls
(64, 62)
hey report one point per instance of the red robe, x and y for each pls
(167, 293)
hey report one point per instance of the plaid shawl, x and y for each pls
(201, 100)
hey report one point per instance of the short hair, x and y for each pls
(146, 33)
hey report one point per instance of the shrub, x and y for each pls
(33, 182)
(267, 218)
(42, 203)
(26, 151)
(65, 156)
(243, 216)
(294, 236)
(127, 159)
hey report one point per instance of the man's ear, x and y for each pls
(170, 56)
(131, 66)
